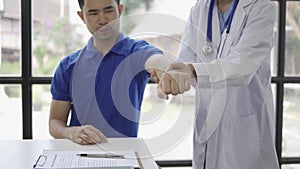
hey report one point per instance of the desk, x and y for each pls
(22, 154)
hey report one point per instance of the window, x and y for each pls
(35, 35)
(10, 70)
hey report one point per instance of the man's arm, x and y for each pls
(157, 64)
(58, 128)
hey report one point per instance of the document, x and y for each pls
(50, 159)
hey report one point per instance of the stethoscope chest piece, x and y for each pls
(207, 49)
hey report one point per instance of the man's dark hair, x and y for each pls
(81, 3)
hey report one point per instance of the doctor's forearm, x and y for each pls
(191, 67)
(220, 74)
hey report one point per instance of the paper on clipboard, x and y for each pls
(70, 159)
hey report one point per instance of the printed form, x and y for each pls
(77, 159)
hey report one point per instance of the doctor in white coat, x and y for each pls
(226, 47)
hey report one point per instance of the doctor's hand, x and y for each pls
(86, 134)
(184, 68)
(173, 82)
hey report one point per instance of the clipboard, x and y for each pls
(97, 168)
(139, 161)
(40, 164)
(40, 161)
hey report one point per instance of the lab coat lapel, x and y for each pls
(216, 37)
(239, 17)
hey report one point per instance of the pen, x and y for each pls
(106, 155)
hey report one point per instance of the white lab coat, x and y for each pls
(234, 125)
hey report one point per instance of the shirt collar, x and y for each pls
(90, 50)
(224, 18)
(118, 48)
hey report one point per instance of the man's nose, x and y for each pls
(102, 19)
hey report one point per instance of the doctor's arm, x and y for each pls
(248, 53)
(58, 128)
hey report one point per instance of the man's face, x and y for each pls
(101, 17)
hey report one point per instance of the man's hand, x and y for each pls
(154, 76)
(176, 80)
(85, 135)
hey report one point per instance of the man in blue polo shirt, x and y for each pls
(103, 83)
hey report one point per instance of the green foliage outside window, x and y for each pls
(53, 40)
(130, 8)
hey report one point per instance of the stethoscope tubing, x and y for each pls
(227, 22)
(207, 49)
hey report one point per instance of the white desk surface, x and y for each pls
(22, 154)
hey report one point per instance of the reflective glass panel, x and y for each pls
(291, 121)
(167, 125)
(10, 38)
(56, 33)
(291, 166)
(10, 112)
(41, 108)
(292, 50)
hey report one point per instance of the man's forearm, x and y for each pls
(158, 64)
(58, 129)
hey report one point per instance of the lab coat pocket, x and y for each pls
(240, 142)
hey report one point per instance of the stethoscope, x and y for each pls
(208, 48)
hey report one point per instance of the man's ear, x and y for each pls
(80, 14)
(120, 8)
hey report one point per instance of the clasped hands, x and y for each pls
(176, 79)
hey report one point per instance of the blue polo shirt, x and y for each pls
(119, 84)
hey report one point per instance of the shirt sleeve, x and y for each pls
(140, 53)
(187, 48)
(60, 85)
